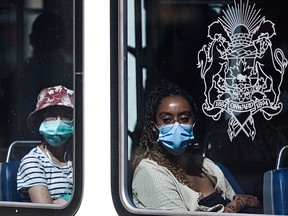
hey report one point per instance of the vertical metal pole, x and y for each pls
(152, 35)
(139, 60)
(20, 34)
(20, 43)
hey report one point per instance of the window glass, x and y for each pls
(232, 58)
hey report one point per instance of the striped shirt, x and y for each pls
(37, 169)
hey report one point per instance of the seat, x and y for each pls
(9, 181)
(214, 139)
(17, 150)
(275, 186)
(282, 160)
(230, 178)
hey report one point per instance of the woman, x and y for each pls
(45, 174)
(167, 174)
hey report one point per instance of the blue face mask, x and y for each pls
(56, 132)
(176, 137)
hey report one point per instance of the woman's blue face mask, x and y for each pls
(175, 137)
(56, 132)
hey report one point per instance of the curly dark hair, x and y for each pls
(149, 147)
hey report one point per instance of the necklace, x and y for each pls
(60, 164)
(53, 158)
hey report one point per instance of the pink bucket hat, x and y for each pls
(52, 96)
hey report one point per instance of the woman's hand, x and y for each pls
(59, 201)
(247, 201)
(240, 202)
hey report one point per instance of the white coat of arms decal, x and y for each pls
(237, 66)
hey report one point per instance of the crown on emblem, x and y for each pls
(241, 36)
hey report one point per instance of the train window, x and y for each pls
(40, 106)
(231, 57)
